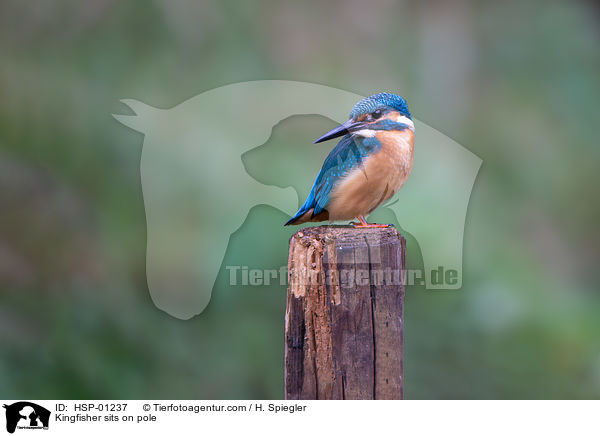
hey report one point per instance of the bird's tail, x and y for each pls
(301, 216)
(307, 213)
(310, 210)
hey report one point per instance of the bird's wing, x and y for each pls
(347, 155)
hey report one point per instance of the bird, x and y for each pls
(367, 167)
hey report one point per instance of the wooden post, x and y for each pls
(344, 315)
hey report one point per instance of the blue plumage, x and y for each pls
(378, 112)
(347, 155)
(382, 100)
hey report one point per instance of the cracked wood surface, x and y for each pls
(344, 314)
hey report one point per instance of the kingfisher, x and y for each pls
(368, 166)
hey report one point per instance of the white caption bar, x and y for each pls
(299, 417)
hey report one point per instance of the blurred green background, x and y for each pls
(517, 83)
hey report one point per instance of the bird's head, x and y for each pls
(383, 111)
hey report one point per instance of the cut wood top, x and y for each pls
(346, 236)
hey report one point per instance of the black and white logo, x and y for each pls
(26, 415)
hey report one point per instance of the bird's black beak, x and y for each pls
(340, 130)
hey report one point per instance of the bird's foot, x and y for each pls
(363, 224)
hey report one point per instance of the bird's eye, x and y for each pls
(376, 114)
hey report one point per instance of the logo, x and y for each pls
(208, 161)
(26, 415)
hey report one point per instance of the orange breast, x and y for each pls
(380, 177)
